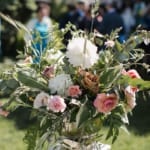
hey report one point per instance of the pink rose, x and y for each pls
(105, 102)
(74, 91)
(132, 73)
(130, 97)
(48, 72)
(56, 104)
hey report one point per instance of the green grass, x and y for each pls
(132, 142)
(11, 139)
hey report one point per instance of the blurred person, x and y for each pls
(100, 15)
(70, 15)
(75, 13)
(147, 18)
(89, 23)
(86, 22)
(118, 4)
(128, 18)
(80, 10)
(111, 20)
(40, 27)
(139, 10)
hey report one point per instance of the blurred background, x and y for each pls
(129, 14)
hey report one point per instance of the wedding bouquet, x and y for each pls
(77, 89)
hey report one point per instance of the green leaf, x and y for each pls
(116, 133)
(31, 137)
(140, 83)
(118, 46)
(109, 77)
(122, 56)
(43, 121)
(12, 84)
(8, 86)
(83, 114)
(14, 23)
(41, 141)
(110, 133)
(30, 81)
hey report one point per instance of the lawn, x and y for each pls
(132, 142)
(11, 138)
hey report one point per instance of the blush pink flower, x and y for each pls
(131, 73)
(105, 102)
(56, 104)
(130, 97)
(74, 91)
(134, 75)
(49, 72)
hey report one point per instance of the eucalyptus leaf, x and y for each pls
(109, 76)
(41, 141)
(12, 83)
(140, 83)
(31, 82)
(83, 114)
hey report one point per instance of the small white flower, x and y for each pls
(53, 56)
(60, 84)
(131, 98)
(146, 41)
(75, 102)
(109, 43)
(41, 100)
(82, 52)
(97, 34)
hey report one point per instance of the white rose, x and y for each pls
(60, 84)
(82, 52)
(41, 100)
(130, 97)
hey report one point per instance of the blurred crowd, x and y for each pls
(111, 14)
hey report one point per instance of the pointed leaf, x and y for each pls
(83, 114)
(30, 81)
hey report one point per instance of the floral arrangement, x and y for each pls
(75, 90)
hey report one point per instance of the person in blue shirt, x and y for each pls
(40, 27)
